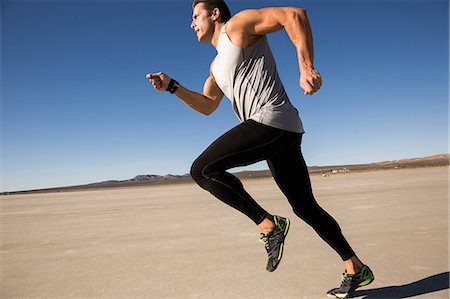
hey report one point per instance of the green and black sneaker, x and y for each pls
(274, 242)
(351, 282)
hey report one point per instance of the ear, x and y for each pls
(215, 15)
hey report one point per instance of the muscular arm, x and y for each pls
(248, 25)
(206, 102)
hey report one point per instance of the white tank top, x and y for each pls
(249, 79)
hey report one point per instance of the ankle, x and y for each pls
(266, 226)
(353, 265)
(352, 270)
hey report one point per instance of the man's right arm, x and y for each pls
(206, 102)
(249, 25)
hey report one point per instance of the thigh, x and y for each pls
(245, 144)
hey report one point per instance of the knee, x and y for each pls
(307, 212)
(316, 217)
(301, 214)
(196, 171)
(202, 170)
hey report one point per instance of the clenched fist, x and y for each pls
(160, 81)
(310, 80)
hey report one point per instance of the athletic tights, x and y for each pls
(251, 142)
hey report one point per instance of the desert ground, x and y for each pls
(177, 241)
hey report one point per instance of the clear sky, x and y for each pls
(76, 107)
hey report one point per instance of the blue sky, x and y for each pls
(76, 107)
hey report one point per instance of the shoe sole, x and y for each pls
(362, 284)
(336, 296)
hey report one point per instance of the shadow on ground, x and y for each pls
(427, 285)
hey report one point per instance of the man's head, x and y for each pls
(210, 5)
(205, 14)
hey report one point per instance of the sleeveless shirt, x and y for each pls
(249, 79)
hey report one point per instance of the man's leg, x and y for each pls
(291, 174)
(245, 144)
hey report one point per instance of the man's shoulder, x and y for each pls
(242, 18)
(240, 28)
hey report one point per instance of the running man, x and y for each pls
(270, 129)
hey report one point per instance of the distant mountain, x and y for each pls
(153, 179)
(430, 161)
(142, 179)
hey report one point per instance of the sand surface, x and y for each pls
(177, 241)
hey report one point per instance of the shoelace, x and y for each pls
(346, 281)
(264, 241)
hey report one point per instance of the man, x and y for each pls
(244, 70)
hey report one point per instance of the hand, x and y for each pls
(159, 80)
(310, 80)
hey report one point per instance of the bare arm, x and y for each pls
(206, 102)
(248, 25)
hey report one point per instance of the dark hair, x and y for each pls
(225, 14)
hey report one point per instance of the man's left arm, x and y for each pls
(254, 23)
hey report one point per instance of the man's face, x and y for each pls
(202, 23)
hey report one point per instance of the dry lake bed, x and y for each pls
(177, 241)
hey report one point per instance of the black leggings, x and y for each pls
(250, 142)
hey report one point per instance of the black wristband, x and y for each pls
(173, 86)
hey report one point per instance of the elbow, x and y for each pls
(210, 107)
(208, 111)
(299, 11)
(294, 14)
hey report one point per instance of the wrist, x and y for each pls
(304, 66)
(305, 62)
(173, 86)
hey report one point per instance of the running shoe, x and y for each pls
(351, 282)
(274, 242)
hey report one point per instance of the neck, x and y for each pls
(217, 27)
